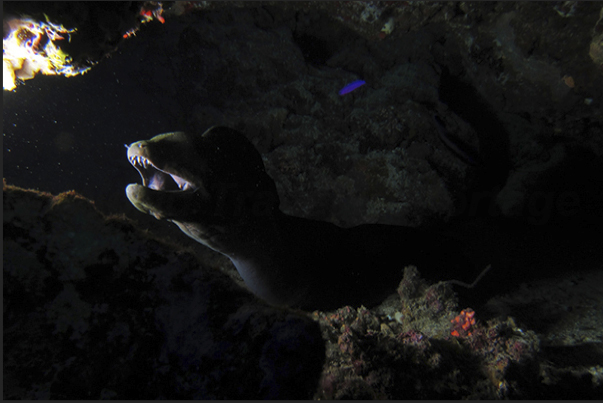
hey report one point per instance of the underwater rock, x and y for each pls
(95, 308)
(407, 348)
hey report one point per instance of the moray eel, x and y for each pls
(214, 187)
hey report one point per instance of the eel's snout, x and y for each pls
(138, 154)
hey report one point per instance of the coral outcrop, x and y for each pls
(94, 308)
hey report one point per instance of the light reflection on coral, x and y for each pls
(29, 49)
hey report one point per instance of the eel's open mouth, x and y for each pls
(155, 178)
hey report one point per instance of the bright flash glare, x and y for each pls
(29, 49)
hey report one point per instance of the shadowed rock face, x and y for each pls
(95, 309)
(214, 187)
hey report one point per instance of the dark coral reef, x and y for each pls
(94, 308)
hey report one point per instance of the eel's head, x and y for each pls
(164, 165)
(204, 180)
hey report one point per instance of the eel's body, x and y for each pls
(215, 188)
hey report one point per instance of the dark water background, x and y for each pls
(63, 133)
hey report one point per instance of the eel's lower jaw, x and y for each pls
(132, 192)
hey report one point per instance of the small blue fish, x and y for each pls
(351, 87)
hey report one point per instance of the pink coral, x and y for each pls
(462, 324)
